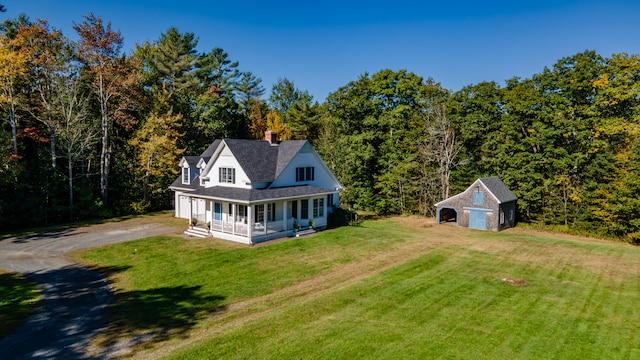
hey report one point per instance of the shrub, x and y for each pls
(140, 207)
(342, 217)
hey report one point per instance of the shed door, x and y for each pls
(478, 219)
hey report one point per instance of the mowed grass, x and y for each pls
(393, 288)
(19, 298)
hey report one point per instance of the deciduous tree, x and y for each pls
(113, 83)
(13, 65)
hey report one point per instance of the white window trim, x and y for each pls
(188, 173)
(229, 176)
(307, 172)
(318, 208)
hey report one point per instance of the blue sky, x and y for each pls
(323, 45)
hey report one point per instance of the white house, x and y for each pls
(251, 191)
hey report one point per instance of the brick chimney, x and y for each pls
(271, 136)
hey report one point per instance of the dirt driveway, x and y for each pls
(74, 297)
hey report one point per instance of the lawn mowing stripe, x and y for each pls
(443, 297)
(238, 314)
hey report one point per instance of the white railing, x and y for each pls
(257, 229)
(227, 227)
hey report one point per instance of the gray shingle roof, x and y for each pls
(262, 161)
(257, 158)
(208, 153)
(192, 160)
(499, 189)
(257, 195)
(286, 151)
(177, 184)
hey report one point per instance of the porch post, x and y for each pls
(190, 209)
(233, 218)
(250, 216)
(264, 217)
(285, 216)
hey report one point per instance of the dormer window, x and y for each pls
(227, 175)
(305, 173)
(185, 175)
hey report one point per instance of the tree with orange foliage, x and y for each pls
(13, 65)
(274, 123)
(114, 84)
(48, 57)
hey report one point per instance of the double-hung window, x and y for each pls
(241, 216)
(271, 212)
(318, 208)
(259, 213)
(306, 173)
(227, 175)
(185, 175)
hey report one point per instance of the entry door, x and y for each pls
(478, 219)
(217, 213)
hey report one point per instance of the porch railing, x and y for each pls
(257, 229)
(228, 227)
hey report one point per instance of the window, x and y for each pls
(478, 198)
(271, 212)
(330, 200)
(259, 215)
(241, 216)
(510, 215)
(318, 208)
(185, 175)
(305, 173)
(304, 209)
(227, 175)
(501, 218)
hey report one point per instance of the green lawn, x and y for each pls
(393, 288)
(18, 300)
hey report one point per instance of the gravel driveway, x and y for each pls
(74, 297)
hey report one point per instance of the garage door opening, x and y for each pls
(447, 215)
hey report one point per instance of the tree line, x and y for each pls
(91, 131)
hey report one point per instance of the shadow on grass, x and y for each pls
(78, 306)
(142, 317)
(18, 300)
(68, 317)
(158, 313)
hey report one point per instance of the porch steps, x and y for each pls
(305, 232)
(197, 232)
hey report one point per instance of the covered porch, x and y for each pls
(250, 223)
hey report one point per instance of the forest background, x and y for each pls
(90, 131)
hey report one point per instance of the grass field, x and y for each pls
(392, 288)
(18, 300)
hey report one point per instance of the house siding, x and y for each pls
(227, 160)
(304, 158)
